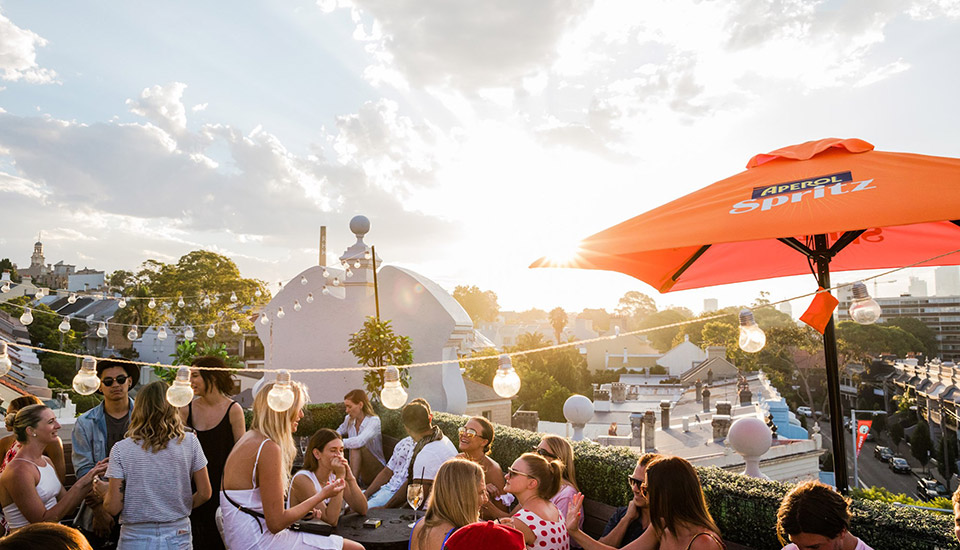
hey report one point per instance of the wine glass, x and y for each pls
(303, 446)
(415, 499)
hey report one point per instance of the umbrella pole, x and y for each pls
(822, 256)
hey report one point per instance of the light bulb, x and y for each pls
(5, 288)
(752, 338)
(180, 302)
(26, 318)
(73, 298)
(39, 293)
(349, 273)
(393, 396)
(864, 309)
(303, 280)
(233, 296)
(326, 274)
(211, 332)
(367, 255)
(86, 381)
(152, 304)
(258, 293)
(234, 327)
(356, 264)
(102, 330)
(206, 301)
(188, 334)
(64, 325)
(162, 334)
(296, 305)
(336, 281)
(263, 319)
(5, 363)
(507, 382)
(310, 297)
(281, 395)
(325, 290)
(122, 303)
(132, 334)
(180, 394)
(280, 313)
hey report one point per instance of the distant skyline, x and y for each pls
(476, 137)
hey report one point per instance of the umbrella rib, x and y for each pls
(689, 262)
(843, 241)
(797, 245)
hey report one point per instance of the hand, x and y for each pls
(333, 488)
(509, 522)
(87, 480)
(573, 513)
(492, 491)
(102, 522)
(340, 467)
(633, 512)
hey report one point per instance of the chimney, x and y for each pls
(721, 425)
(706, 399)
(665, 414)
(699, 389)
(636, 430)
(649, 432)
(716, 352)
(724, 407)
(526, 420)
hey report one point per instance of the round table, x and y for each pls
(393, 532)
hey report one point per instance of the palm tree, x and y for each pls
(558, 320)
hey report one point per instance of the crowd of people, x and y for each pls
(149, 475)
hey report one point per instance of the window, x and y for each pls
(486, 414)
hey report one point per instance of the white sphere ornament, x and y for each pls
(750, 437)
(235, 327)
(102, 330)
(281, 395)
(5, 363)
(188, 334)
(507, 382)
(211, 332)
(310, 297)
(132, 334)
(152, 304)
(64, 325)
(26, 318)
(180, 394)
(86, 381)
(393, 396)
(578, 409)
(752, 337)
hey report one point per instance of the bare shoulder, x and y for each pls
(492, 465)
(706, 542)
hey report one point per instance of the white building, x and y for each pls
(682, 358)
(947, 280)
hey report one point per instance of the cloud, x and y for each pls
(18, 55)
(163, 105)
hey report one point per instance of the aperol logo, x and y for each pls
(800, 185)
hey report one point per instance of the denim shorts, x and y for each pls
(172, 535)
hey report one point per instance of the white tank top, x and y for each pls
(316, 483)
(47, 489)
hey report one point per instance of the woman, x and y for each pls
(458, 493)
(218, 422)
(256, 476)
(553, 447)
(9, 445)
(679, 518)
(324, 461)
(30, 491)
(534, 480)
(49, 536)
(155, 464)
(361, 427)
(476, 437)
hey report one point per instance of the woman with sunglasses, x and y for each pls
(476, 437)
(679, 518)
(458, 493)
(553, 447)
(534, 480)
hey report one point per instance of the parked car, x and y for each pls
(805, 411)
(929, 489)
(899, 465)
(883, 453)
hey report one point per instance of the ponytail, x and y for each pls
(548, 473)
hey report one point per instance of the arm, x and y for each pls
(82, 452)
(238, 424)
(493, 509)
(301, 488)
(614, 531)
(369, 430)
(342, 430)
(21, 484)
(271, 491)
(647, 541)
(354, 495)
(204, 491)
(113, 501)
(55, 452)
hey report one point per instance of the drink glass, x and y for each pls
(415, 499)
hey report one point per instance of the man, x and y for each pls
(394, 474)
(815, 517)
(630, 521)
(432, 449)
(94, 434)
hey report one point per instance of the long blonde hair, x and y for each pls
(455, 498)
(278, 426)
(154, 421)
(564, 452)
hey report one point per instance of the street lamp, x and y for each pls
(853, 432)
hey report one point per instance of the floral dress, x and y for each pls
(11, 454)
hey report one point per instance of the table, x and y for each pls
(392, 534)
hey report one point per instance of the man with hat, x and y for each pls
(94, 434)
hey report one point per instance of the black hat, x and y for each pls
(133, 371)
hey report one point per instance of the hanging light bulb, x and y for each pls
(752, 338)
(356, 264)
(122, 303)
(5, 288)
(864, 309)
(258, 293)
(5, 363)
(507, 382)
(310, 297)
(393, 396)
(303, 280)
(367, 255)
(102, 330)
(162, 334)
(211, 332)
(325, 290)
(281, 395)
(264, 320)
(349, 273)
(132, 334)
(180, 302)
(39, 293)
(336, 281)
(64, 325)
(233, 296)
(26, 318)
(280, 313)
(73, 298)
(326, 274)
(296, 305)
(235, 327)
(86, 381)
(206, 300)
(180, 394)
(188, 334)
(152, 304)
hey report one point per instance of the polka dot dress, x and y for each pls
(551, 535)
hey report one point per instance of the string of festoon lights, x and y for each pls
(863, 310)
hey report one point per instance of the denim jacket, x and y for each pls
(90, 440)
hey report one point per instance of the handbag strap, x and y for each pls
(253, 513)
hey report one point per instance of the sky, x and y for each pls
(477, 137)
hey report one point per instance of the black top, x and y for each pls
(633, 532)
(216, 444)
(116, 429)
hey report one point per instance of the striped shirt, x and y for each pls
(157, 485)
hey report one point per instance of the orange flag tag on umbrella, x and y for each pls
(820, 310)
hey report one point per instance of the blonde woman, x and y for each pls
(553, 447)
(9, 444)
(533, 480)
(256, 477)
(324, 463)
(155, 464)
(458, 493)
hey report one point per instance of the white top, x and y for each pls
(369, 435)
(316, 483)
(860, 546)
(47, 489)
(399, 463)
(430, 458)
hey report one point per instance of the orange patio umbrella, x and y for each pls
(821, 206)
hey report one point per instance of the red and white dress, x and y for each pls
(551, 535)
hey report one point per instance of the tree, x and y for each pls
(861, 342)
(44, 331)
(919, 329)
(481, 305)
(531, 315)
(376, 345)
(662, 339)
(7, 265)
(600, 318)
(636, 306)
(947, 463)
(482, 371)
(188, 350)
(558, 320)
(896, 434)
(920, 443)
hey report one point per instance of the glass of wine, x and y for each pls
(303, 446)
(415, 499)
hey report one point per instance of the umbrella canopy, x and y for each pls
(730, 231)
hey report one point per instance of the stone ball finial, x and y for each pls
(360, 226)
(750, 436)
(577, 409)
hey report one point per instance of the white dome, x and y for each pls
(578, 409)
(750, 436)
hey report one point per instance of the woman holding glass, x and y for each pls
(323, 460)
(476, 437)
(458, 493)
(361, 429)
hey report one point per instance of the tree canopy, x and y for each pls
(481, 305)
(558, 320)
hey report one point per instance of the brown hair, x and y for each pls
(814, 508)
(564, 452)
(214, 379)
(416, 417)
(646, 458)
(360, 397)
(675, 496)
(19, 403)
(486, 431)
(45, 535)
(548, 474)
(318, 441)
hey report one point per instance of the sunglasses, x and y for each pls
(511, 472)
(638, 483)
(122, 379)
(469, 433)
(545, 453)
